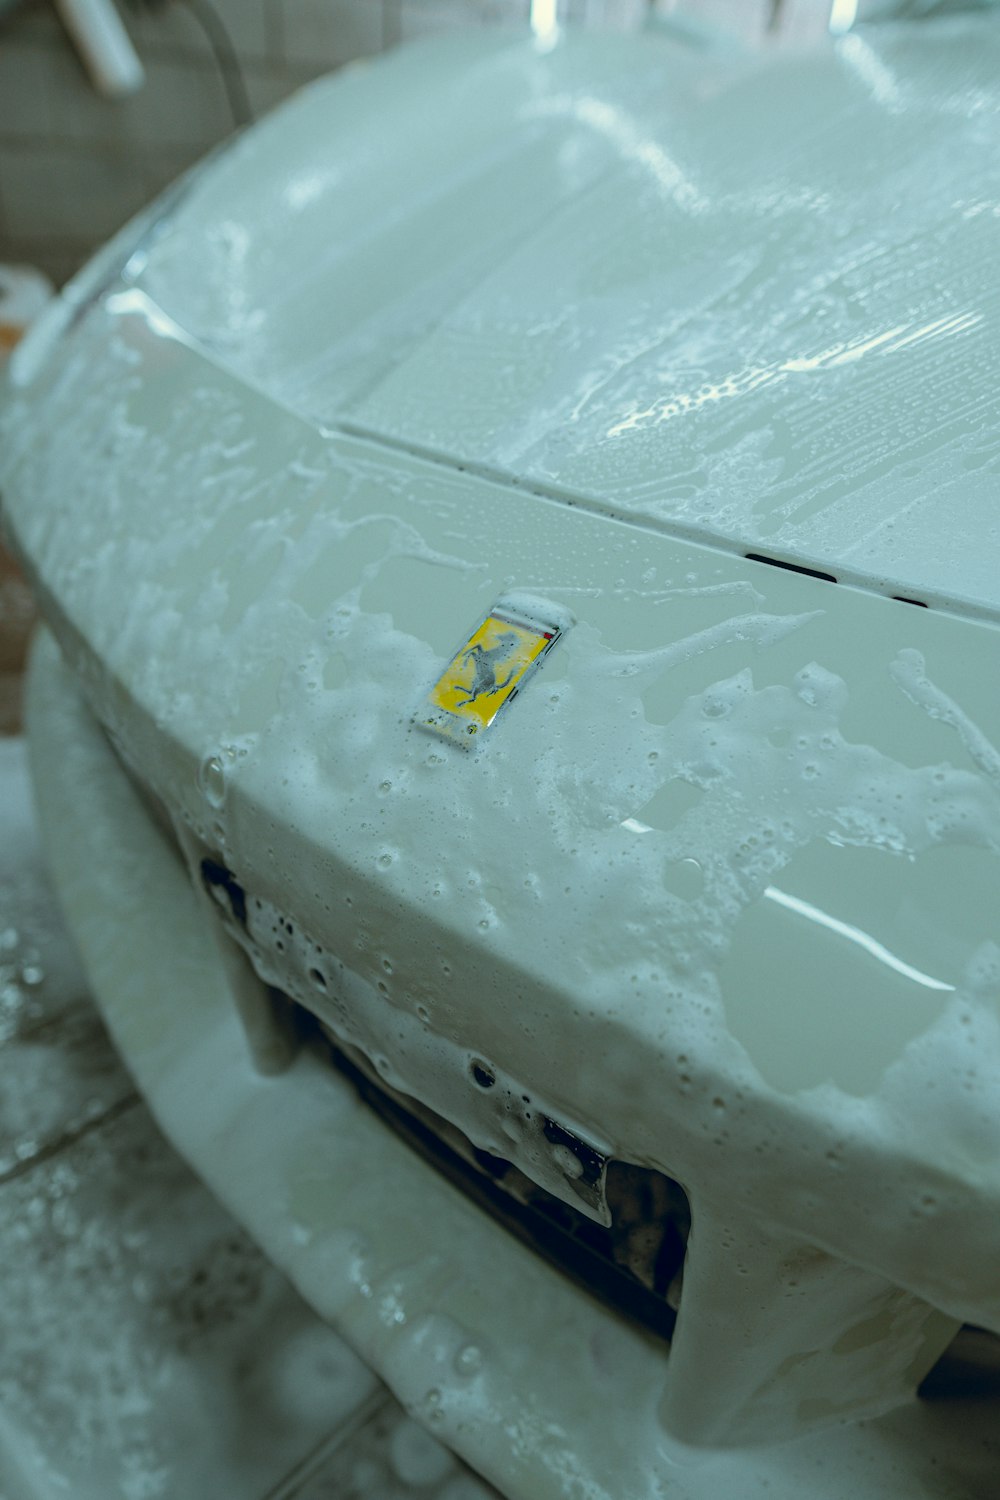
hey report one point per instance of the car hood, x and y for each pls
(622, 272)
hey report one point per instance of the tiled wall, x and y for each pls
(73, 165)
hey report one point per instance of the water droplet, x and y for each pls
(212, 780)
(469, 1359)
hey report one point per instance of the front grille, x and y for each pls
(632, 1260)
(635, 1266)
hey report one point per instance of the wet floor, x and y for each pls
(147, 1348)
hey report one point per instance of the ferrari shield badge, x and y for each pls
(491, 667)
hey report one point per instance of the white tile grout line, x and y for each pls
(307, 1467)
(68, 1138)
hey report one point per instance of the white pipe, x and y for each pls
(104, 45)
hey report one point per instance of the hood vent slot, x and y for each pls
(790, 567)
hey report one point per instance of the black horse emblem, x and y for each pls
(485, 663)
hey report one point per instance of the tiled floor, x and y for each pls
(147, 1348)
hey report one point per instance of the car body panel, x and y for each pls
(746, 296)
(707, 720)
(501, 1357)
(717, 890)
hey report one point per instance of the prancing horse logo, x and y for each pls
(485, 663)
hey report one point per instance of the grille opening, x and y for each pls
(634, 1267)
(902, 599)
(790, 567)
(483, 1075)
(968, 1370)
(215, 874)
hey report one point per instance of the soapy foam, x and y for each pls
(534, 922)
(286, 1154)
(352, 766)
(774, 360)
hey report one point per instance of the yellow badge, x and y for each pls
(487, 672)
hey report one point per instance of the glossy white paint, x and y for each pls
(743, 297)
(503, 1359)
(720, 888)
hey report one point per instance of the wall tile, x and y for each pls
(324, 33)
(505, 12)
(62, 192)
(73, 165)
(59, 259)
(50, 98)
(247, 24)
(32, 20)
(425, 17)
(419, 18)
(180, 105)
(162, 167)
(174, 29)
(269, 87)
(76, 112)
(25, 88)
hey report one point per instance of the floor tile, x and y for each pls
(392, 1458)
(56, 1083)
(40, 972)
(147, 1348)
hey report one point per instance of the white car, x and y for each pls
(520, 536)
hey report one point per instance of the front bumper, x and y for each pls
(540, 1388)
